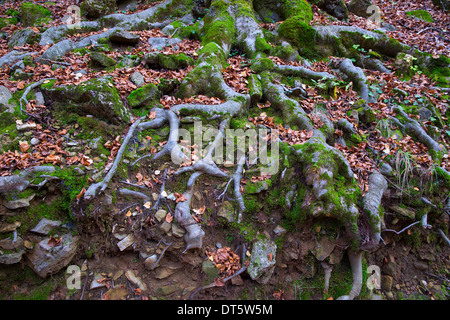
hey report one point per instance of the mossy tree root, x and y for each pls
(371, 204)
(19, 182)
(194, 233)
(413, 128)
(355, 259)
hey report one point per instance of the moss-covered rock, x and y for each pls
(34, 14)
(175, 61)
(97, 97)
(97, 8)
(4, 22)
(148, 95)
(98, 59)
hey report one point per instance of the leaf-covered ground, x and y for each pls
(380, 136)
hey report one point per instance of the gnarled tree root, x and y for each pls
(355, 259)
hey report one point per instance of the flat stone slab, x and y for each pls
(45, 226)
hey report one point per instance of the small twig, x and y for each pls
(28, 89)
(163, 185)
(398, 232)
(444, 237)
(132, 184)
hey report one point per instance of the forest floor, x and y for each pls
(415, 262)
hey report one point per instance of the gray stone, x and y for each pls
(227, 212)
(101, 59)
(135, 280)
(169, 289)
(11, 258)
(95, 282)
(160, 215)
(5, 96)
(149, 263)
(10, 244)
(126, 242)
(405, 212)
(21, 37)
(45, 226)
(390, 269)
(262, 261)
(386, 169)
(165, 226)
(56, 51)
(138, 79)
(21, 203)
(9, 227)
(97, 8)
(279, 230)
(210, 270)
(359, 7)
(177, 231)
(323, 248)
(34, 141)
(46, 259)
(13, 56)
(158, 43)
(124, 37)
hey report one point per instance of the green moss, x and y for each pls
(263, 64)
(147, 96)
(421, 14)
(175, 61)
(297, 8)
(4, 22)
(301, 35)
(261, 45)
(34, 14)
(219, 27)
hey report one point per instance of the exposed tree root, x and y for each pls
(19, 182)
(355, 259)
(98, 187)
(194, 233)
(371, 203)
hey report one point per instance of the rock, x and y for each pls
(124, 37)
(21, 37)
(359, 7)
(177, 231)
(13, 56)
(5, 96)
(34, 141)
(262, 261)
(118, 293)
(169, 289)
(323, 249)
(148, 95)
(164, 273)
(20, 126)
(405, 212)
(257, 187)
(45, 226)
(95, 284)
(137, 78)
(135, 280)
(227, 211)
(279, 230)
(165, 226)
(101, 60)
(386, 283)
(56, 51)
(336, 8)
(46, 260)
(10, 244)
(11, 258)
(126, 242)
(159, 43)
(160, 215)
(21, 203)
(97, 97)
(34, 14)
(390, 269)
(210, 270)
(93, 9)
(150, 262)
(386, 170)
(9, 227)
